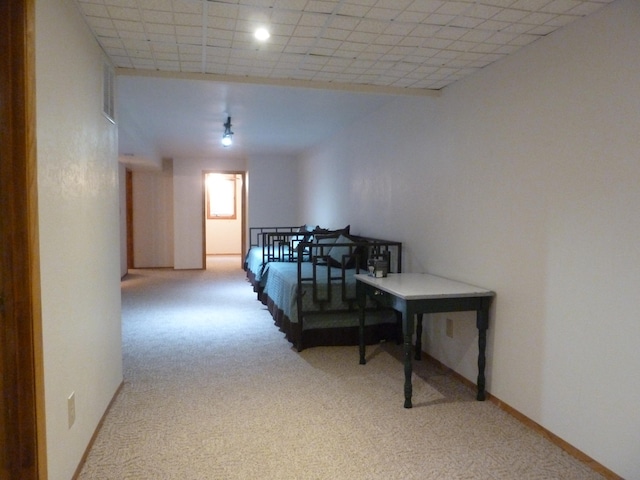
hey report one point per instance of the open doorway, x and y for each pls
(224, 218)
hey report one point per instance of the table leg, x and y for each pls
(482, 323)
(362, 300)
(418, 352)
(408, 347)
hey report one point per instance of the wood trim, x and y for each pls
(553, 438)
(243, 213)
(24, 448)
(129, 218)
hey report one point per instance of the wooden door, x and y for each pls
(19, 274)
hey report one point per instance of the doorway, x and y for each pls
(224, 216)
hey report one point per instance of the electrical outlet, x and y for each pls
(71, 408)
(449, 328)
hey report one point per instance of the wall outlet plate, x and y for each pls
(449, 328)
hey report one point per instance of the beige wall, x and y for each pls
(272, 200)
(79, 233)
(523, 179)
(188, 206)
(153, 241)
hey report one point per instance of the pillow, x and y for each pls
(339, 253)
(326, 231)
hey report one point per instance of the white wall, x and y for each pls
(525, 179)
(273, 191)
(79, 233)
(169, 205)
(188, 206)
(153, 242)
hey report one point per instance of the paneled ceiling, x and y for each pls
(384, 46)
(390, 43)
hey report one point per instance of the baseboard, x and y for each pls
(95, 433)
(553, 438)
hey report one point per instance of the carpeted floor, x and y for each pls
(214, 391)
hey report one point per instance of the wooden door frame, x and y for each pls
(243, 212)
(129, 217)
(24, 447)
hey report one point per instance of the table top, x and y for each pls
(422, 286)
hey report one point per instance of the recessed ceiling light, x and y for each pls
(262, 34)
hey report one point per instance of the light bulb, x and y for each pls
(262, 34)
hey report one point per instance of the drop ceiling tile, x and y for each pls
(159, 39)
(127, 26)
(285, 17)
(466, 22)
(166, 47)
(187, 6)
(398, 28)
(362, 37)
(121, 13)
(561, 21)
(157, 17)
(585, 8)
(166, 56)
(290, 4)
(390, 40)
(518, 28)
(510, 15)
(344, 23)
(530, 5)
(195, 32)
(188, 19)
(160, 28)
(452, 33)
(493, 25)
(161, 5)
(384, 14)
(169, 65)
(484, 12)
(307, 32)
(123, 62)
(538, 18)
(439, 19)
(524, 39)
(352, 10)
(454, 8)
(260, 3)
(121, 3)
(94, 10)
(541, 30)
(502, 38)
(116, 52)
(320, 6)
(100, 22)
(313, 20)
(561, 6)
(499, 3)
(106, 33)
(332, 40)
(411, 17)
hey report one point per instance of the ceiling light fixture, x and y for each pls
(227, 136)
(262, 34)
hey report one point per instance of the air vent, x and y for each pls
(108, 89)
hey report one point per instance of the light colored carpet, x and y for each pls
(214, 391)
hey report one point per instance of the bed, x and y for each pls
(305, 277)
